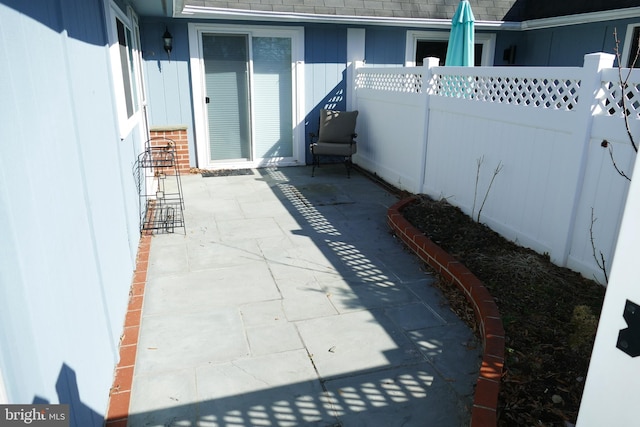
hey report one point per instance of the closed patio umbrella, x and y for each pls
(460, 51)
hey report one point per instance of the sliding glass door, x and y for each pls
(250, 99)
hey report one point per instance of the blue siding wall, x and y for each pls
(169, 86)
(168, 82)
(566, 46)
(68, 207)
(385, 46)
(504, 40)
(167, 78)
(325, 50)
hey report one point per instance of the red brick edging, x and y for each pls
(485, 402)
(120, 393)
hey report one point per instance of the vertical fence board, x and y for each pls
(543, 125)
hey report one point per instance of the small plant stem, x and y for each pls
(624, 84)
(609, 145)
(495, 173)
(479, 161)
(601, 263)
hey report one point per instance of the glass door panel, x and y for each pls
(226, 67)
(273, 96)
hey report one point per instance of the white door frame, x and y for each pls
(487, 40)
(198, 92)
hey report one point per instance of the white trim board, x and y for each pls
(488, 41)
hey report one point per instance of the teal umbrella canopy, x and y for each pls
(460, 51)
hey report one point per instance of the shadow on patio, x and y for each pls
(286, 393)
(289, 302)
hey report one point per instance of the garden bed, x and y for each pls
(549, 314)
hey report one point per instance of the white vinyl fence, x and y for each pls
(426, 129)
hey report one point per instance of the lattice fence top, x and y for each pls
(613, 104)
(391, 82)
(541, 92)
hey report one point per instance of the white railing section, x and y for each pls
(391, 81)
(531, 91)
(541, 92)
(611, 103)
(424, 129)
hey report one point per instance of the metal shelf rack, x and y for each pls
(161, 203)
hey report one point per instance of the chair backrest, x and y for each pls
(337, 126)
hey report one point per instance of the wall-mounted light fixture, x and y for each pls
(167, 40)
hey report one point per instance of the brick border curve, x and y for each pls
(485, 402)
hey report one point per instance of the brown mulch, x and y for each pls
(550, 315)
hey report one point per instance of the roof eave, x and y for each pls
(582, 18)
(201, 12)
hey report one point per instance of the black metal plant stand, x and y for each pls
(161, 204)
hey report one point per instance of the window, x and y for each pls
(631, 47)
(124, 42)
(126, 64)
(423, 44)
(438, 49)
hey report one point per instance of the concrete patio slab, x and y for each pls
(305, 299)
(263, 312)
(415, 315)
(411, 396)
(246, 393)
(169, 398)
(277, 337)
(434, 299)
(287, 302)
(210, 288)
(452, 350)
(204, 254)
(356, 342)
(178, 340)
(366, 295)
(170, 258)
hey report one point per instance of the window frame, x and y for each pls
(627, 55)
(487, 40)
(127, 78)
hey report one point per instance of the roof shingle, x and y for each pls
(483, 10)
(494, 10)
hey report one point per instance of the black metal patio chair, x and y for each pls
(336, 137)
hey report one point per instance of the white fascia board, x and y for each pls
(176, 7)
(202, 12)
